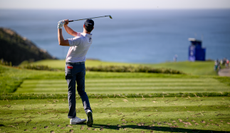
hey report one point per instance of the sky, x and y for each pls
(114, 4)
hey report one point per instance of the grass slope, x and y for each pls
(11, 78)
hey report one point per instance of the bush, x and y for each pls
(37, 67)
(5, 63)
(142, 69)
(131, 69)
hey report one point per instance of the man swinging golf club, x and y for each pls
(75, 67)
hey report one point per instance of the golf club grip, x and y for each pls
(71, 20)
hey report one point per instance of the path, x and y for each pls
(224, 72)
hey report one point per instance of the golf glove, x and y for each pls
(60, 24)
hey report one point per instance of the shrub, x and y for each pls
(3, 62)
(37, 67)
(142, 69)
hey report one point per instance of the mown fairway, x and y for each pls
(128, 85)
(121, 102)
(188, 114)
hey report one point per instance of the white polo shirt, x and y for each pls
(79, 46)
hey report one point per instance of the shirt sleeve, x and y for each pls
(74, 41)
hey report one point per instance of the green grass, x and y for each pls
(36, 101)
(192, 68)
(60, 64)
(11, 78)
(128, 86)
(200, 114)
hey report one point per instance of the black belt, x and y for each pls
(75, 63)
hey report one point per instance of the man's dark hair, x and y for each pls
(89, 24)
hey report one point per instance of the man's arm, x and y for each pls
(61, 39)
(69, 30)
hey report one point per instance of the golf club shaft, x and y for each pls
(91, 18)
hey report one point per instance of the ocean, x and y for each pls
(132, 36)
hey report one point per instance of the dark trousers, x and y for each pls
(75, 72)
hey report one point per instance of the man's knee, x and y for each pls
(81, 92)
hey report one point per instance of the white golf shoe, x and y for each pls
(89, 118)
(77, 120)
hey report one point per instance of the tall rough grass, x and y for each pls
(142, 69)
(132, 69)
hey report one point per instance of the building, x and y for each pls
(196, 52)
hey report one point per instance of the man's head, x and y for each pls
(89, 25)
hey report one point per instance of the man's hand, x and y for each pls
(60, 24)
(66, 22)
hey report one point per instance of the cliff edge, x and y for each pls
(16, 49)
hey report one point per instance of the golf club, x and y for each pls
(91, 18)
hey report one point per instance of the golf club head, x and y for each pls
(110, 17)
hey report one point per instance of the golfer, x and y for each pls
(75, 67)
